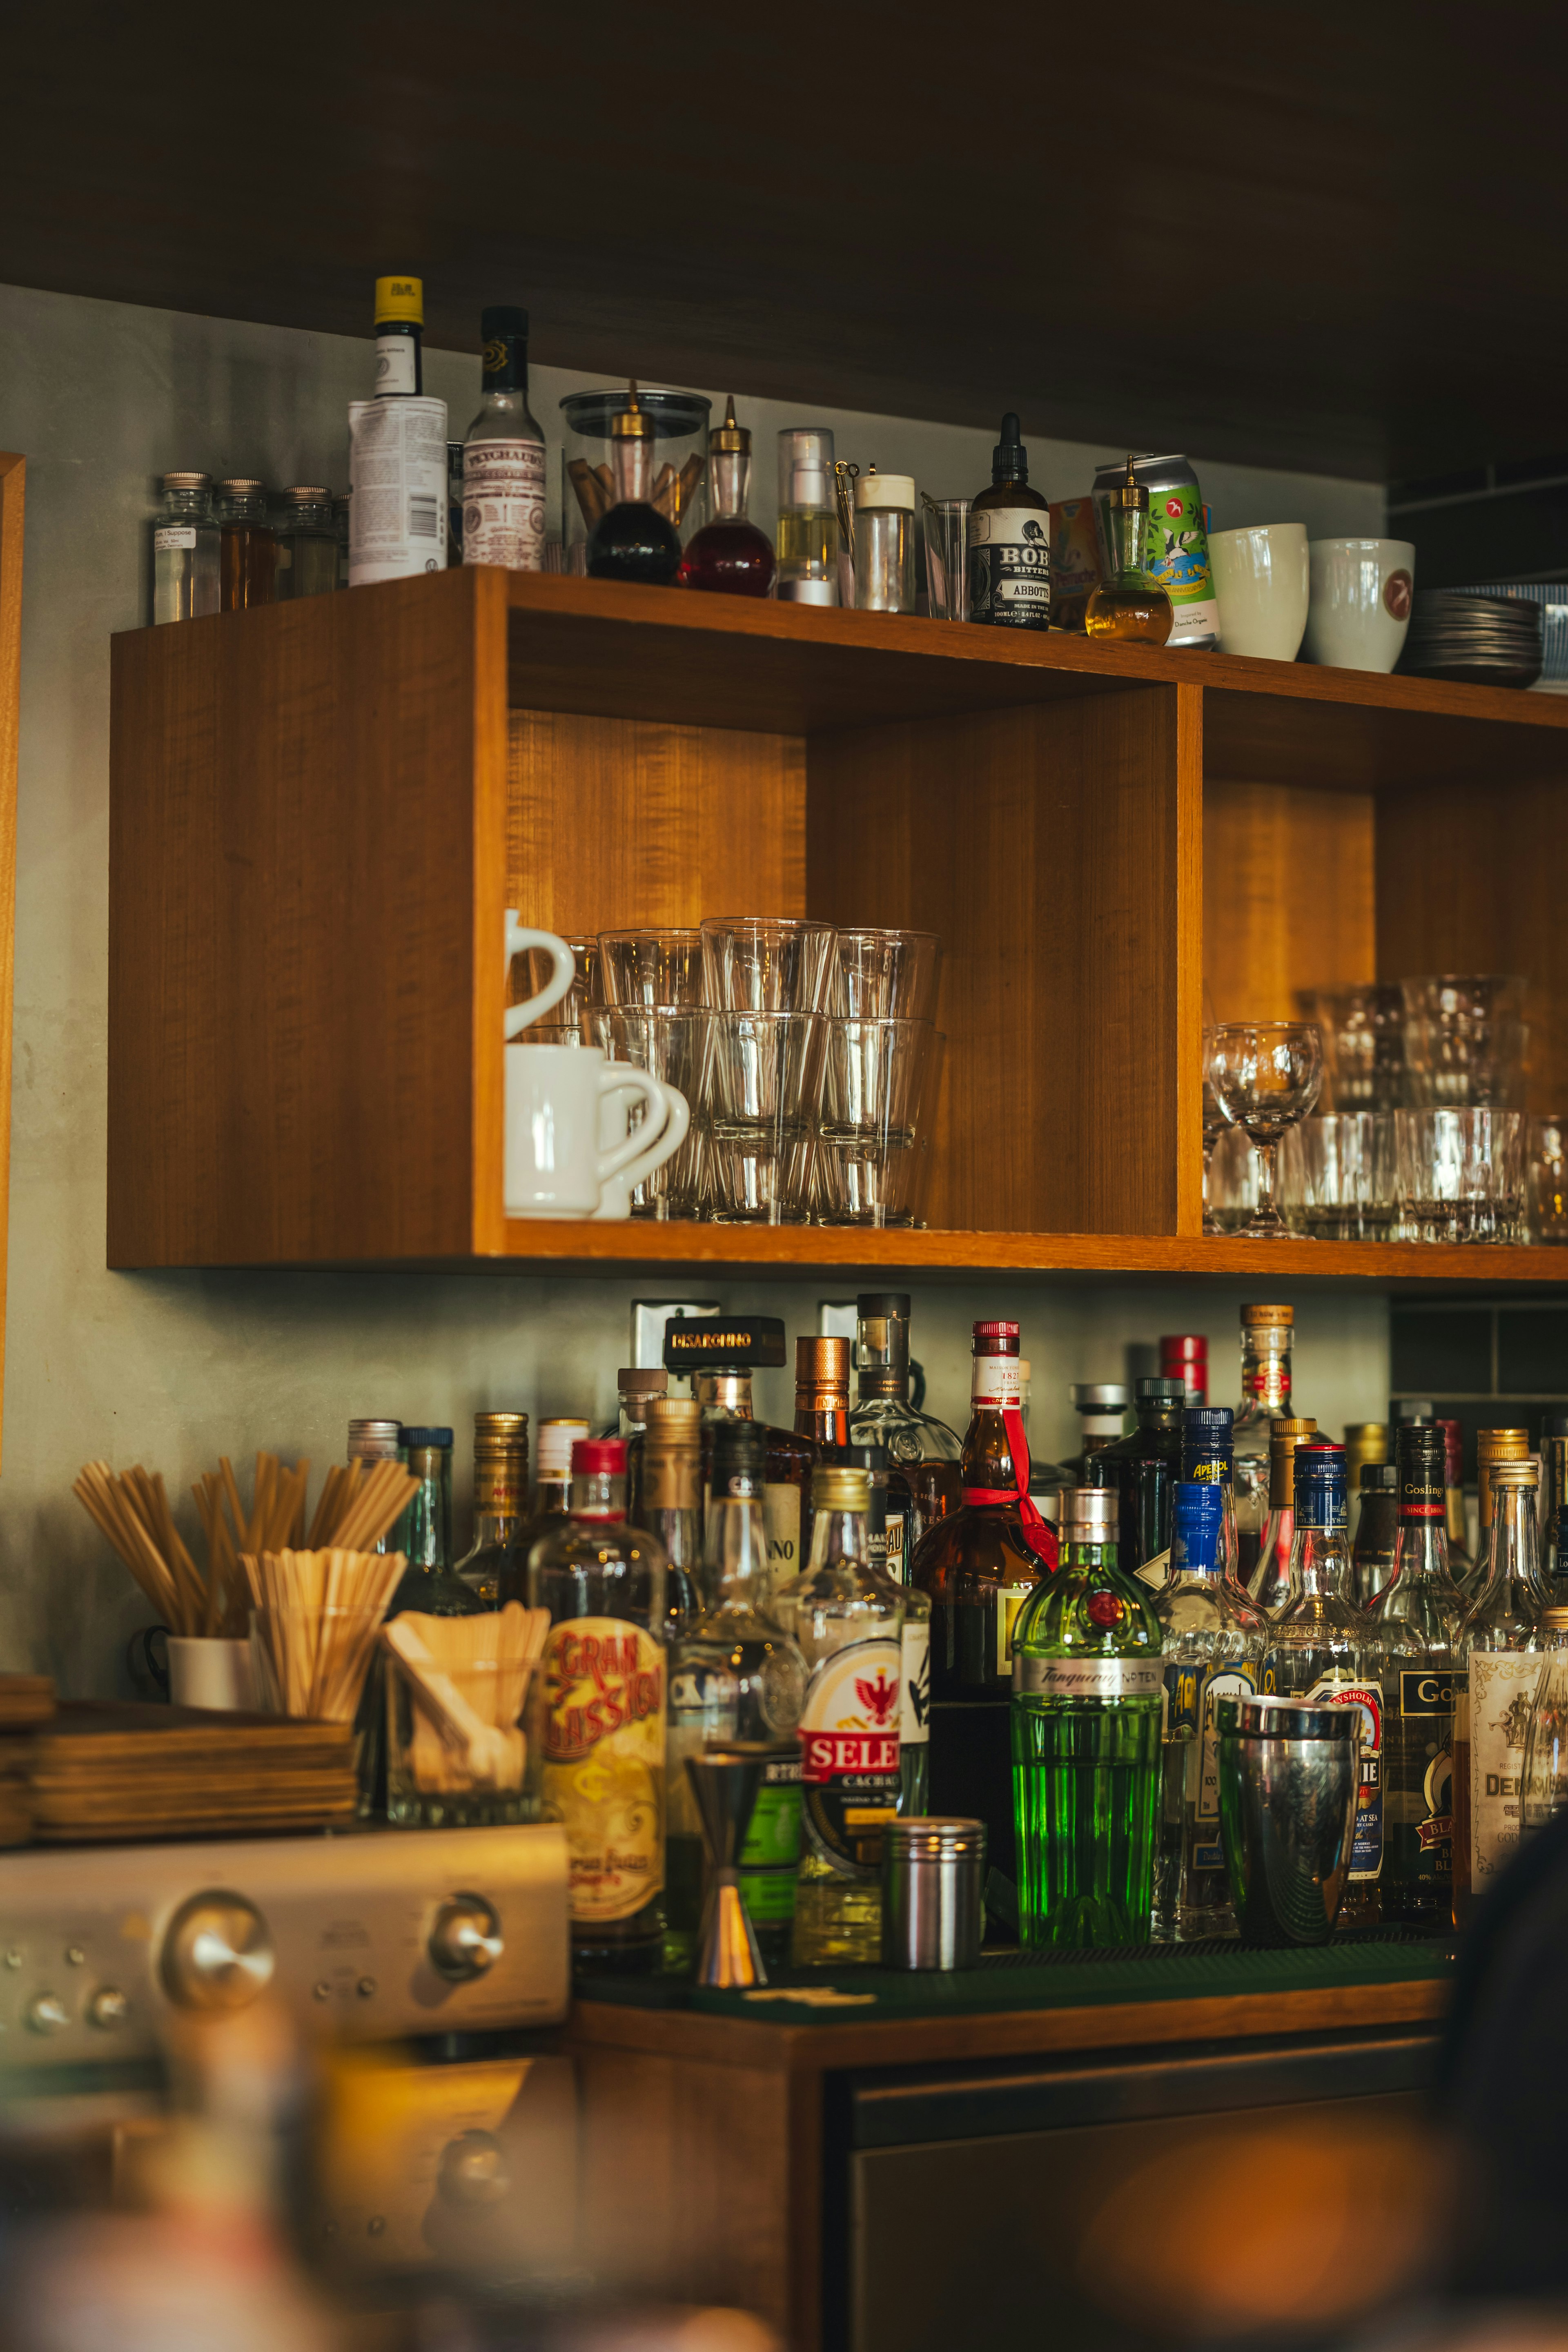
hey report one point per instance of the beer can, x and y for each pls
(1075, 561)
(1178, 543)
(397, 475)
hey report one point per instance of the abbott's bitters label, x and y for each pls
(1502, 1686)
(504, 504)
(849, 1754)
(1010, 566)
(1089, 1677)
(603, 1761)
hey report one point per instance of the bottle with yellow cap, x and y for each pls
(399, 338)
(730, 556)
(1130, 606)
(632, 539)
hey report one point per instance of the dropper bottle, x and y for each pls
(633, 540)
(729, 556)
(1130, 607)
(1010, 542)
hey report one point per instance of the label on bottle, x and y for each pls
(398, 465)
(771, 1854)
(604, 1762)
(1366, 1845)
(1010, 566)
(1238, 1681)
(780, 1517)
(1421, 1774)
(396, 368)
(914, 1711)
(1089, 1677)
(1502, 1687)
(1180, 1689)
(849, 1754)
(503, 503)
(994, 1382)
(704, 1705)
(171, 535)
(896, 1566)
(1156, 1571)
(1010, 1599)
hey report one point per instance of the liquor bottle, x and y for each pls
(1376, 1535)
(1500, 1646)
(372, 1441)
(670, 1502)
(1185, 1357)
(1321, 1647)
(914, 1708)
(1050, 1483)
(1145, 1466)
(1206, 1461)
(922, 1452)
(632, 540)
(977, 1567)
(1553, 1488)
(1418, 1616)
(635, 1386)
(1010, 542)
(187, 569)
(429, 1583)
(1269, 1587)
(720, 1354)
(734, 1673)
(808, 522)
(399, 338)
(1101, 1406)
(550, 1503)
(1127, 605)
(1459, 1560)
(247, 549)
(1086, 1743)
(1492, 1446)
(454, 503)
(847, 1619)
(821, 1408)
(729, 556)
(1365, 1441)
(500, 1501)
(1212, 1648)
(1265, 1336)
(307, 546)
(503, 453)
(598, 1707)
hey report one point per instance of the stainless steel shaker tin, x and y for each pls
(1266, 1717)
(933, 1880)
(1290, 1775)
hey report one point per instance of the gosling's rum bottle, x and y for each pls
(1010, 542)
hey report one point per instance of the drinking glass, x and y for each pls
(1363, 1045)
(1465, 1042)
(763, 1095)
(947, 557)
(312, 1663)
(1348, 1176)
(882, 975)
(1216, 1121)
(530, 971)
(753, 963)
(873, 1094)
(651, 968)
(674, 1046)
(1547, 1179)
(1461, 1175)
(1266, 1076)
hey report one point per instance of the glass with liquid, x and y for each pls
(807, 542)
(250, 546)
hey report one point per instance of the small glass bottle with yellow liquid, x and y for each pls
(1129, 606)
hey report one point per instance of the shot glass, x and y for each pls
(651, 970)
(754, 963)
(947, 557)
(874, 1093)
(884, 975)
(1461, 1175)
(762, 1102)
(1347, 1175)
(674, 1046)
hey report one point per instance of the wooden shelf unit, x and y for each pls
(321, 810)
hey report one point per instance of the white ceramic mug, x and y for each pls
(1360, 608)
(615, 1191)
(210, 1671)
(532, 1008)
(1260, 580)
(556, 1164)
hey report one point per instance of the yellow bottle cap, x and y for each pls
(400, 298)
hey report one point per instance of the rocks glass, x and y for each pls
(1461, 1175)
(753, 963)
(1348, 1177)
(764, 1085)
(876, 1075)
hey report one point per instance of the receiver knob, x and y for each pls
(47, 2013)
(473, 2171)
(466, 1939)
(217, 1953)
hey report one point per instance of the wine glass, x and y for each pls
(1216, 1121)
(1266, 1076)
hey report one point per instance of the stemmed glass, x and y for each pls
(1216, 1121)
(1266, 1076)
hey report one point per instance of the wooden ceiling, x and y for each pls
(1324, 237)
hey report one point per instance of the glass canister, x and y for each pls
(307, 545)
(680, 490)
(884, 542)
(184, 550)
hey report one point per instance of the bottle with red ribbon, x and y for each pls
(977, 1567)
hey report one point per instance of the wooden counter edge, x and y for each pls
(933, 2041)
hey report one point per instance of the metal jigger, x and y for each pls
(725, 1781)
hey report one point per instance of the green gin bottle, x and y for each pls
(1086, 1742)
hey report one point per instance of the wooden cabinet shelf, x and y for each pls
(321, 810)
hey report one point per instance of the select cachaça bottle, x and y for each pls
(977, 1567)
(1145, 1466)
(1010, 542)
(923, 1481)
(503, 453)
(500, 1501)
(821, 1409)
(1212, 1648)
(1418, 1615)
(846, 1616)
(1500, 1644)
(1266, 1333)
(914, 1712)
(1269, 1587)
(718, 1355)
(597, 1710)
(735, 1673)
(1086, 1710)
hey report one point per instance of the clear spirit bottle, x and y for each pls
(1269, 1586)
(914, 1712)
(500, 1500)
(1266, 1333)
(1500, 1644)
(923, 1481)
(1418, 1615)
(1086, 1743)
(1145, 1466)
(1492, 1446)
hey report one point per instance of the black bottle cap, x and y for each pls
(1379, 1478)
(723, 1343)
(1420, 1442)
(739, 1457)
(897, 1302)
(502, 319)
(1010, 460)
(1154, 1389)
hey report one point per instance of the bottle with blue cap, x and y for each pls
(1207, 1459)
(1211, 1649)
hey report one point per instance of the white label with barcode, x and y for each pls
(398, 463)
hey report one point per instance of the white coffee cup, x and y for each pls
(1260, 579)
(556, 1164)
(615, 1191)
(532, 1008)
(210, 1670)
(1359, 612)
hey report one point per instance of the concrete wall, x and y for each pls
(172, 1370)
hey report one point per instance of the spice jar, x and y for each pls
(884, 542)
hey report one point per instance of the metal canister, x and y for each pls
(934, 1884)
(1178, 545)
(1290, 1776)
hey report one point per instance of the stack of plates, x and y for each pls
(1474, 639)
(107, 1772)
(1551, 596)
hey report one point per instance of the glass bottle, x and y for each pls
(1206, 1461)
(1129, 607)
(429, 1583)
(1459, 1560)
(977, 1568)
(598, 1709)
(1365, 1441)
(914, 1709)
(1050, 1483)
(1554, 1494)
(1376, 1535)
(1185, 1357)
(1265, 1336)
(1500, 1645)
(1101, 1407)
(1492, 1446)
(1145, 1466)
(503, 453)
(454, 503)
(1212, 1648)
(1544, 1774)
(247, 549)
(669, 1502)
(500, 1500)
(1086, 1711)
(821, 1406)
(1010, 542)
(922, 1452)
(1418, 1616)
(1321, 1647)
(734, 1673)
(884, 542)
(720, 1356)
(847, 1619)
(808, 522)
(372, 1441)
(186, 572)
(635, 1386)
(551, 1501)
(399, 338)
(632, 540)
(729, 556)
(1269, 1586)
(307, 546)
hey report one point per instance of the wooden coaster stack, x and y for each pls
(110, 1773)
(26, 1702)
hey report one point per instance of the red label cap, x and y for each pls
(599, 1457)
(995, 1330)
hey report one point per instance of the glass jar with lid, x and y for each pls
(884, 542)
(677, 427)
(307, 545)
(185, 579)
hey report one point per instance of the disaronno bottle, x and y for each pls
(597, 1710)
(503, 454)
(1501, 1644)
(1010, 542)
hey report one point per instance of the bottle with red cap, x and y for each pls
(598, 1710)
(1185, 1357)
(977, 1567)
